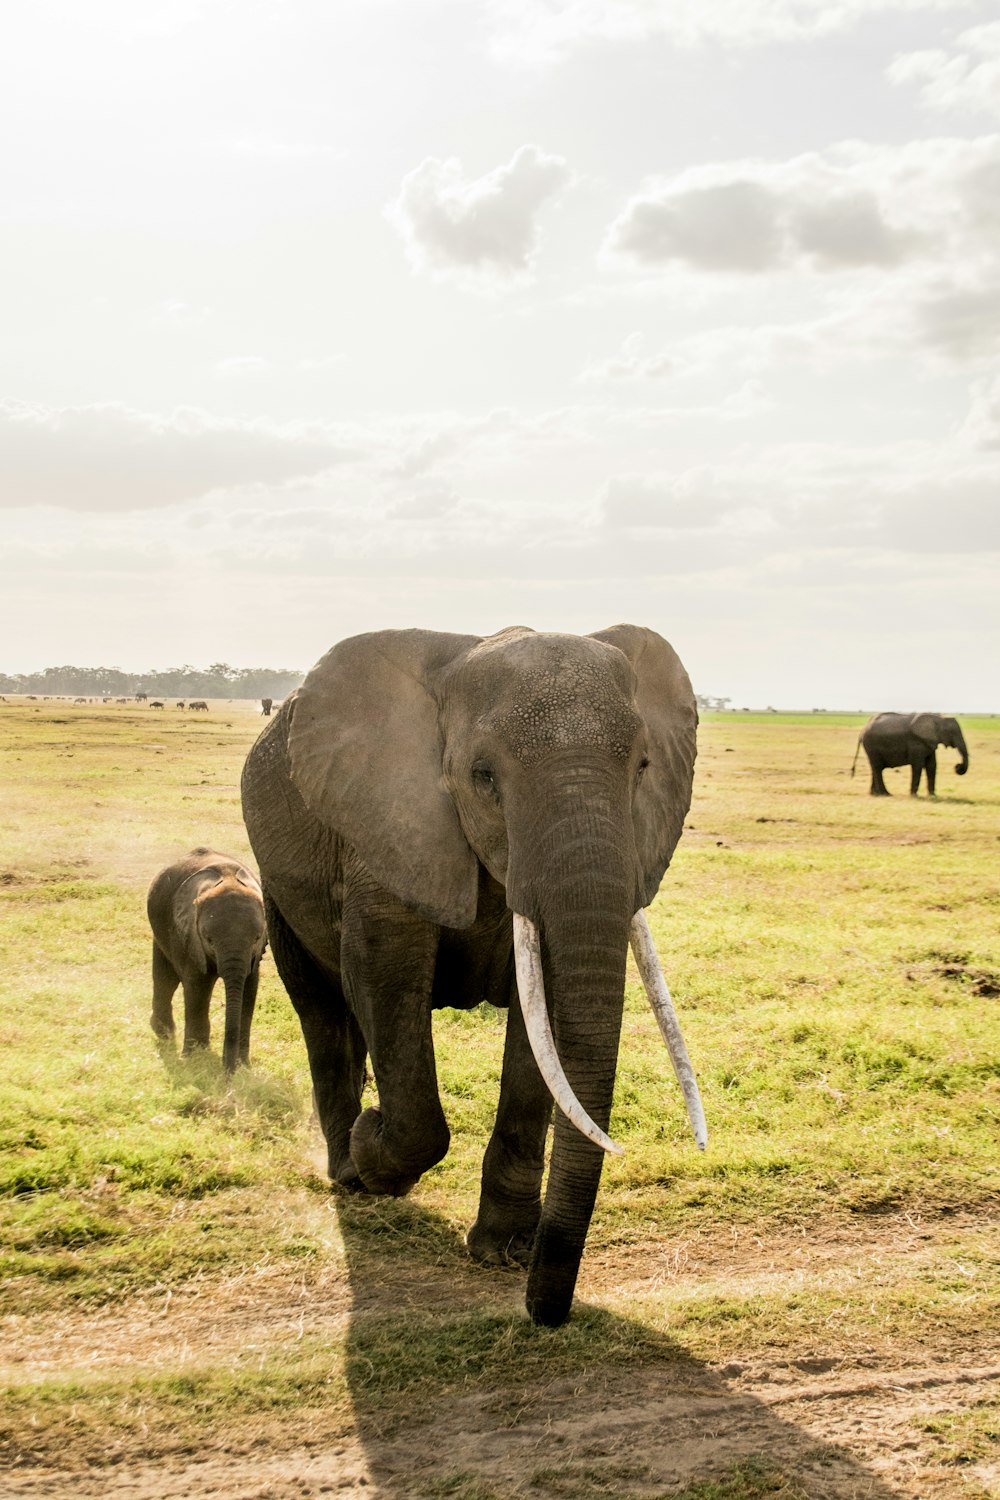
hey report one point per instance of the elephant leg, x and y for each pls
(931, 769)
(246, 1015)
(334, 1044)
(510, 1202)
(918, 759)
(165, 982)
(388, 957)
(878, 786)
(197, 995)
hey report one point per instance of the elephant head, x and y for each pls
(562, 766)
(219, 917)
(937, 729)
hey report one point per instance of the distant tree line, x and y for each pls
(220, 680)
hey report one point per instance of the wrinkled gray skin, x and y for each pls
(418, 789)
(207, 916)
(910, 740)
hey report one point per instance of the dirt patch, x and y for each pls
(819, 1418)
(983, 982)
(843, 1434)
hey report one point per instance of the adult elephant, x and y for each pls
(909, 740)
(445, 819)
(265, 707)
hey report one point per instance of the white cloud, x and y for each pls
(238, 365)
(110, 458)
(815, 499)
(485, 227)
(960, 320)
(690, 501)
(631, 363)
(966, 77)
(853, 207)
(981, 428)
(539, 32)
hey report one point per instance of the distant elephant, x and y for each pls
(207, 916)
(441, 820)
(199, 703)
(265, 707)
(909, 740)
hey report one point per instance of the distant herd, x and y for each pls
(266, 704)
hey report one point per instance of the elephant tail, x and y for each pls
(857, 752)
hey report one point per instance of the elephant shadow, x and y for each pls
(455, 1392)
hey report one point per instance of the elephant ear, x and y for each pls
(665, 699)
(365, 753)
(927, 727)
(186, 915)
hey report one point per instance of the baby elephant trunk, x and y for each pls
(234, 974)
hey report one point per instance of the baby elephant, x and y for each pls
(207, 916)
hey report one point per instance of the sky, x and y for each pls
(325, 316)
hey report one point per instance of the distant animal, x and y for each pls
(141, 697)
(909, 740)
(265, 707)
(79, 700)
(180, 705)
(198, 703)
(207, 916)
(156, 704)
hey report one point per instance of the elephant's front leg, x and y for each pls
(931, 770)
(510, 1202)
(918, 760)
(165, 982)
(388, 957)
(333, 1041)
(197, 996)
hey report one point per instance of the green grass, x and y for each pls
(835, 962)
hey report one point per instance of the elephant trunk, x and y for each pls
(585, 979)
(575, 879)
(962, 748)
(233, 973)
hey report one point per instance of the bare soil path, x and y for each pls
(892, 1419)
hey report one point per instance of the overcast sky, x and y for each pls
(322, 316)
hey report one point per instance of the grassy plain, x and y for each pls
(177, 1277)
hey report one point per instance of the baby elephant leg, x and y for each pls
(165, 982)
(197, 994)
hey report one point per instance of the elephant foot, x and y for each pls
(503, 1239)
(377, 1170)
(341, 1170)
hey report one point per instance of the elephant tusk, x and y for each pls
(531, 991)
(663, 1008)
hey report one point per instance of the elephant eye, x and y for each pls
(482, 778)
(641, 771)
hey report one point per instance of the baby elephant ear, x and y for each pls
(365, 753)
(666, 702)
